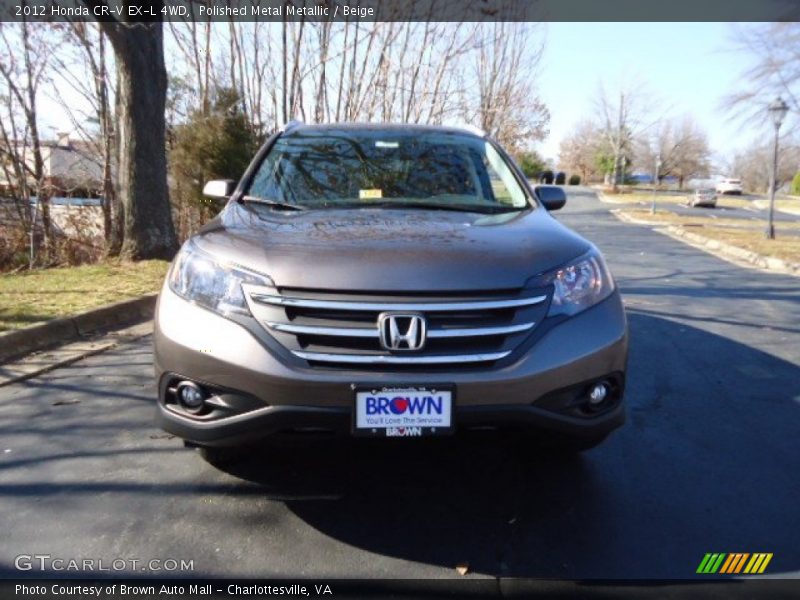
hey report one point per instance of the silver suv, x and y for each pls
(387, 281)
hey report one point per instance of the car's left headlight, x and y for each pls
(198, 277)
(578, 285)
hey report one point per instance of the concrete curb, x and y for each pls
(626, 218)
(729, 252)
(606, 200)
(754, 259)
(36, 364)
(20, 342)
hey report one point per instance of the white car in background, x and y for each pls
(704, 197)
(729, 186)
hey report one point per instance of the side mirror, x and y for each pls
(552, 197)
(219, 189)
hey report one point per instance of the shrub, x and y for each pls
(574, 179)
(13, 250)
(795, 190)
(217, 145)
(531, 163)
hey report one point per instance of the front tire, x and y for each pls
(223, 456)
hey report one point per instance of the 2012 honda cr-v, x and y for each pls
(380, 280)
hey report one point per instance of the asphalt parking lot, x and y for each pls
(708, 461)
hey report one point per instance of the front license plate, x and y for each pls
(403, 411)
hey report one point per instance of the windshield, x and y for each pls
(366, 168)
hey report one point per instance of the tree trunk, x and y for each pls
(112, 211)
(117, 211)
(141, 137)
(112, 225)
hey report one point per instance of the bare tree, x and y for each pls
(508, 106)
(391, 71)
(774, 72)
(420, 72)
(682, 147)
(192, 37)
(578, 151)
(83, 65)
(622, 118)
(24, 60)
(753, 165)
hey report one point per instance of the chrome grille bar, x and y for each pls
(342, 329)
(477, 331)
(372, 332)
(360, 332)
(395, 306)
(393, 359)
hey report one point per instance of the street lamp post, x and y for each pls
(655, 184)
(777, 110)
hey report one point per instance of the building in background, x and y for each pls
(71, 169)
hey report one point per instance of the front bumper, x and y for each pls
(269, 420)
(536, 391)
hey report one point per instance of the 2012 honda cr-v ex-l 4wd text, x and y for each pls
(380, 280)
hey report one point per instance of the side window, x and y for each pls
(504, 185)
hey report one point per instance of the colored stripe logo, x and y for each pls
(733, 563)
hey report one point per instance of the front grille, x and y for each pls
(341, 330)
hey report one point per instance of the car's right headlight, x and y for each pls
(213, 284)
(578, 285)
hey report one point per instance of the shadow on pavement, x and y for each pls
(707, 462)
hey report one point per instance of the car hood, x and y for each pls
(391, 249)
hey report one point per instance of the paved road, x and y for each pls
(708, 461)
(751, 214)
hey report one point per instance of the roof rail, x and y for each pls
(293, 124)
(472, 129)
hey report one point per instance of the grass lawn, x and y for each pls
(789, 204)
(644, 198)
(748, 235)
(783, 247)
(34, 296)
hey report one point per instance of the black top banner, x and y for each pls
(401, 10)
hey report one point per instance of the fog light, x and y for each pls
(191, 396)
(598, 394)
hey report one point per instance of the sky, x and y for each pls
(684, 68)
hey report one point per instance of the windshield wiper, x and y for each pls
(271, 203)
(487, 209)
